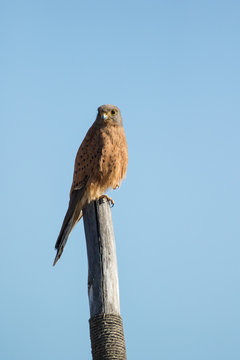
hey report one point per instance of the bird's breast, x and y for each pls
(112, 162)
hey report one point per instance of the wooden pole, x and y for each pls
(106, 329)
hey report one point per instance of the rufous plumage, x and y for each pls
(100, 164)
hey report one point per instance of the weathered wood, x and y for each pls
(103, 288)
(106, 328)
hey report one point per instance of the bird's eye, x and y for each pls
(113, 112)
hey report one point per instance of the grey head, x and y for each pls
(109, 115)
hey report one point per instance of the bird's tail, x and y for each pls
(73, 215)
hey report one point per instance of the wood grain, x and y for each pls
(103, 287)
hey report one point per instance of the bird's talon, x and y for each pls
(110, 200)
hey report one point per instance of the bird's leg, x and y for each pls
(110, 200)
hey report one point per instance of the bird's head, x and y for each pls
(109, 114)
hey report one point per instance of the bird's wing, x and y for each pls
(87, 158)
(85, 163)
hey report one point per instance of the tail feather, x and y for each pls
(73, 215)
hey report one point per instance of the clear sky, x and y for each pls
(173, 68)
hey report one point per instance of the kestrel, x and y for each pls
(100, 164)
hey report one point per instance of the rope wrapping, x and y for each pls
(107, 337)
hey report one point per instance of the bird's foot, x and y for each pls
(110, 200)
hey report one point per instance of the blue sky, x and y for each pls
(173, 69)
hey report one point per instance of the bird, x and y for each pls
(100, 164)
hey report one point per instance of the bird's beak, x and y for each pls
(104, 116)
